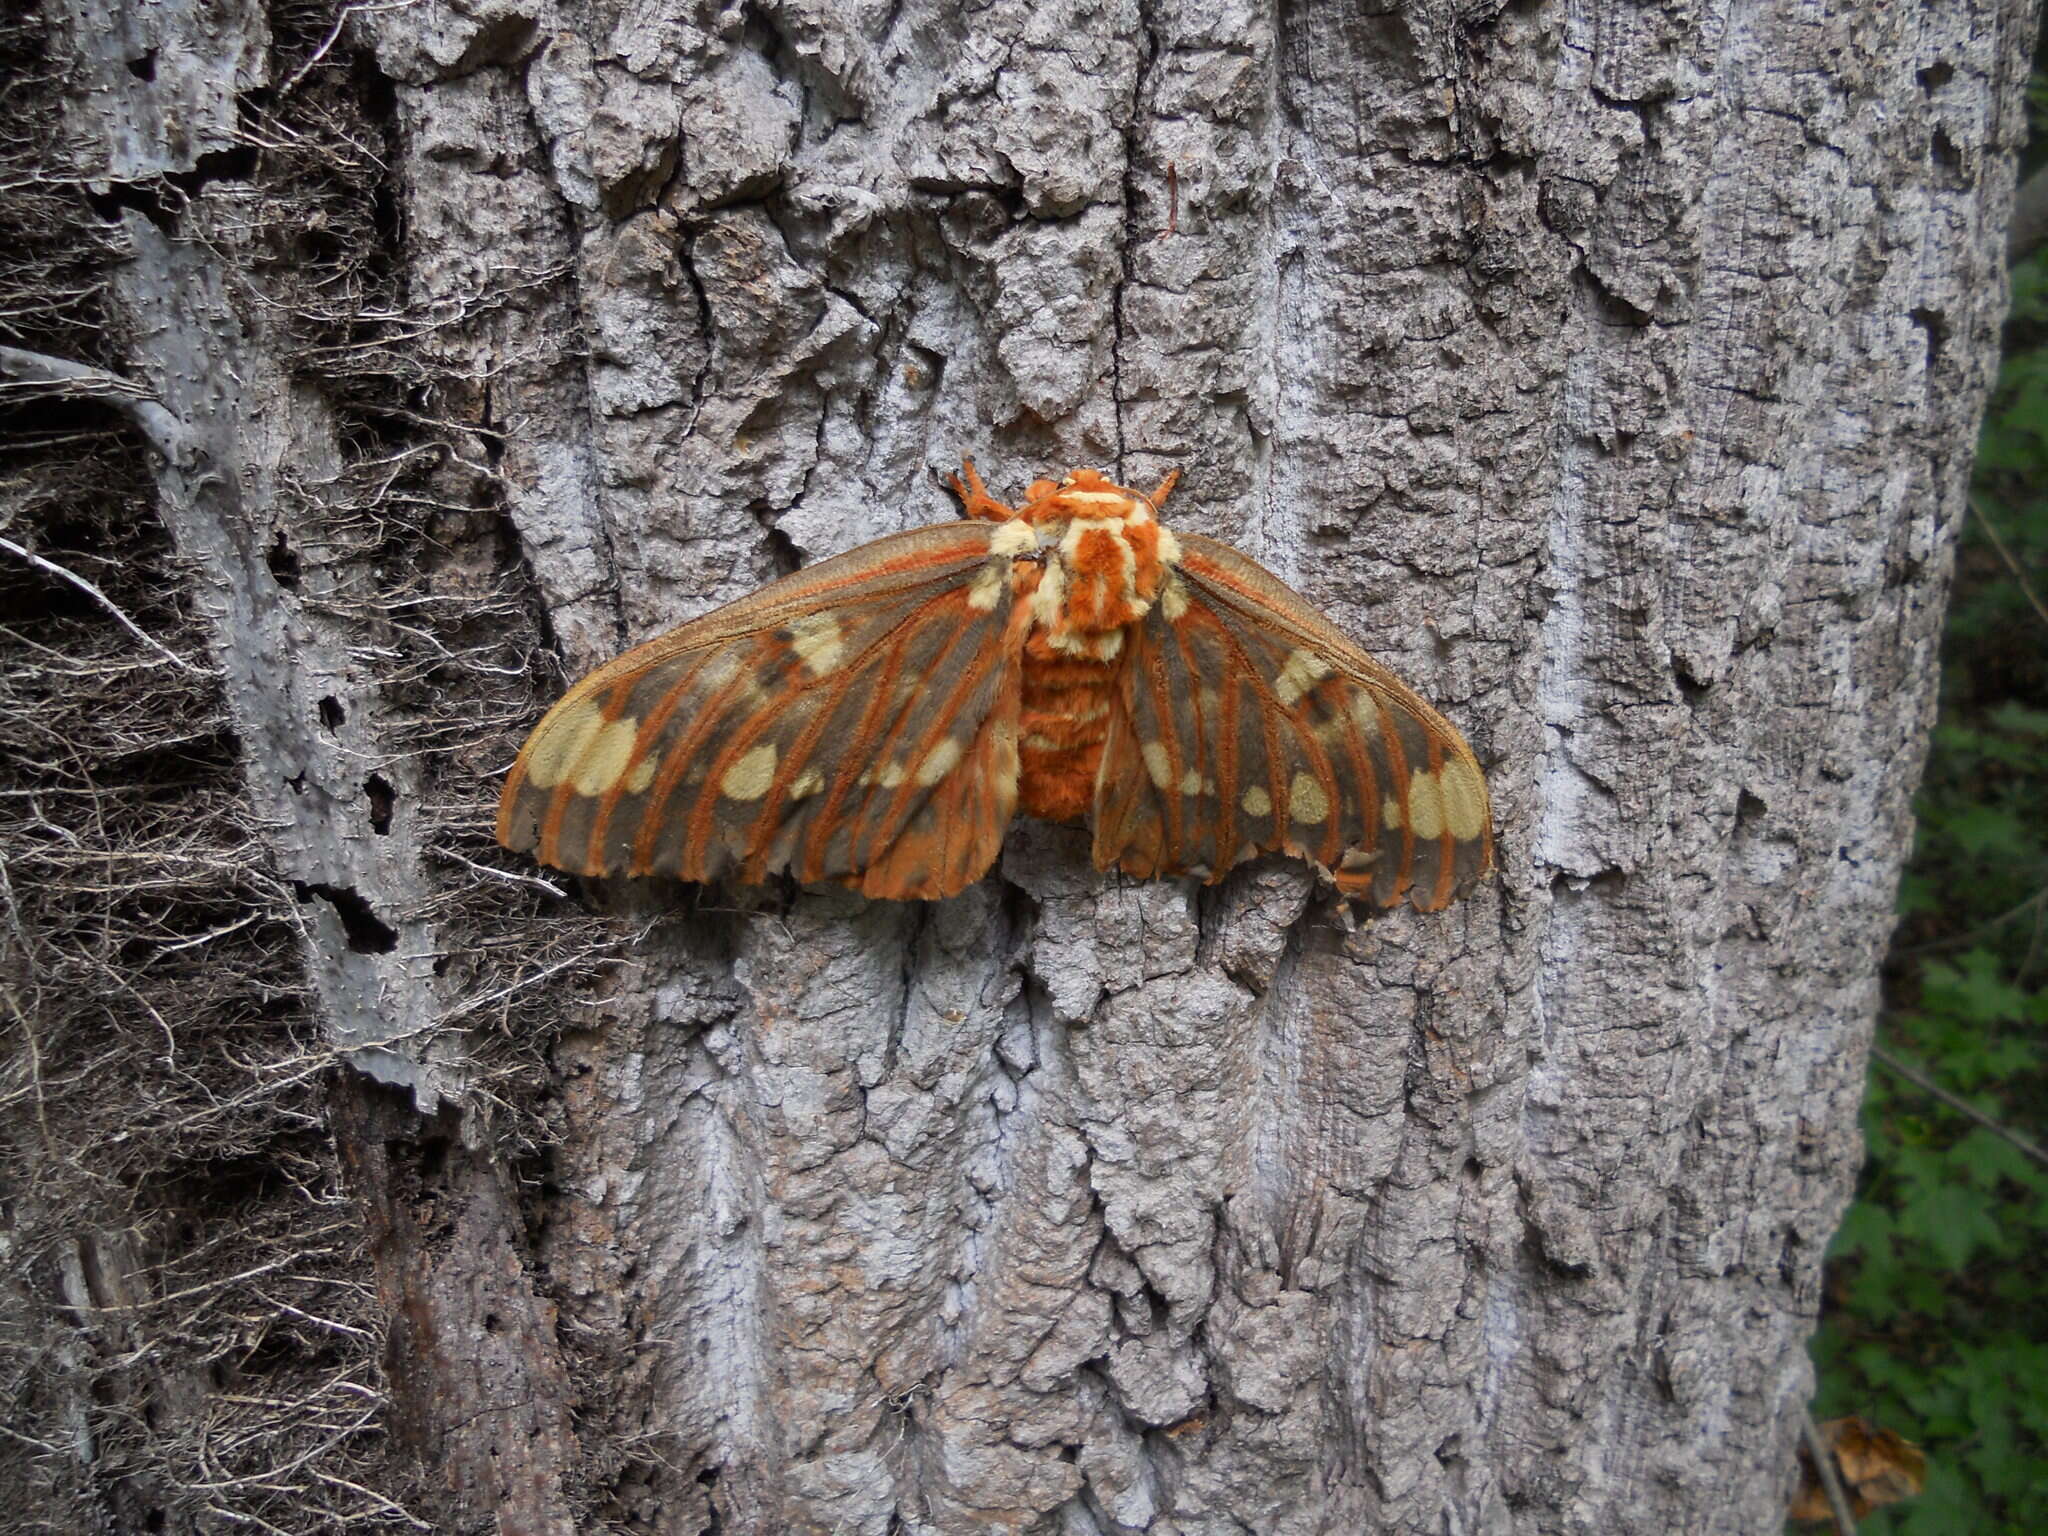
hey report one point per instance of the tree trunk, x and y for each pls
(1609, 371)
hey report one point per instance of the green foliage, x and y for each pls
(1937, 1291)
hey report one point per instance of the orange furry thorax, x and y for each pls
(1103, 561)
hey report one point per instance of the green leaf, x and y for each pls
(1983, 828)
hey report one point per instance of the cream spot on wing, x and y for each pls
(718, 671)
(817, 641)
(1365, 710)
(1256, 801)
(1425, 805)
(559, 742)
(806, 784)
(1464, 797)
(1390, 813)
(604, 758)
(1157, 763)
(641, 776)
(1191, 783)
(1173, 592)
(890, 776)
(938, 762)
(1302, 671)
(1306, 802)
(990, 583)
(1014, 538)
(749, 778)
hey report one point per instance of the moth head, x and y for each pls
(1083, 494)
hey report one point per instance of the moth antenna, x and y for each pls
(975, 496)
(1158, 497)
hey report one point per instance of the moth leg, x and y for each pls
(1158, 497)
(976, 497)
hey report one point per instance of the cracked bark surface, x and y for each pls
(1609, 371)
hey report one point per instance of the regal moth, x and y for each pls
(878, 718)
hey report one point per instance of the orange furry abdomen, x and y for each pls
(1060, 731)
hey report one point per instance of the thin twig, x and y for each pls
(1961, 1106)
(333, 36)
(502, 874)
(1998, 543)
(99, 597)
(1829, 1474)
(1935, 946)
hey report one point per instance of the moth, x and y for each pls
(878, 718)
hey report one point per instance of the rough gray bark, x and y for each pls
(1610, 371)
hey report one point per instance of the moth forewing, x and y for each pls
(686, 755)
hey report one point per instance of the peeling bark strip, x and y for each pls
(1610, 372)
(319, 629)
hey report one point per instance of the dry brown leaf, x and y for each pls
(1877, 1468)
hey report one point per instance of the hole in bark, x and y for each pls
(367, 933)
(781, 549)
(378, 791)
(147, 200)
(1935, 76)
(143, 66)
(1690, 687)
(162, 198)
(283, 561)
(297, 785)
(1946, 155)
(237, 164)
(332, 716)
(1613, 308)
(1935, 324)
(1748, 811)
(491, 1323)
(708, 1481)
